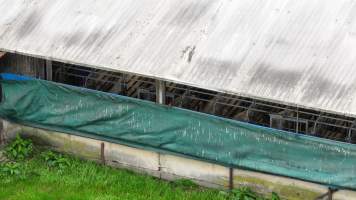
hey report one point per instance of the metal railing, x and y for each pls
(307, 121)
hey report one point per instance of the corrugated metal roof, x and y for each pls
(298, 52)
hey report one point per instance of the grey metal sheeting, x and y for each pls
(299, 52)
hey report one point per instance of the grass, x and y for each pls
(84, 180)
(49, 175)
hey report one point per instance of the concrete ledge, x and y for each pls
(285, 187)
(207, 174)
(170, 167)
(138, 160)
(344, 194)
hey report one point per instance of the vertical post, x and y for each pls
(231, 178)
(49, 70)
(160, 99)
(348, 137)
(214, 108)
(297, 128)
(102, 153)
(315, 125)
(330, 194)
(349, 134)
(160, 92)
(159, 165)
(123, 85)
(331, 191)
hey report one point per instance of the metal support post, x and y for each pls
(160, 92)
(231, 178)
(297, 124)
(161, 99)
(49, 70)
(102, 153)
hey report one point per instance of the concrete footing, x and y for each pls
(170, 167)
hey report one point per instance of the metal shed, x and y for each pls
(296, 52)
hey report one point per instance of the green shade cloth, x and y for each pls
(165, 129)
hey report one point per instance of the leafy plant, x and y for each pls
(55, 160)
(19, 149)
(245, 193)
(10, 168)
(275, 196)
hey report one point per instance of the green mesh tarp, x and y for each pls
(171, 130)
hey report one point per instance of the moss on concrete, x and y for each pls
(82, 149)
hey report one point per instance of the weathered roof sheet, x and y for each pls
(298, 52)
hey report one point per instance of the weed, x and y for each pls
(275, 196)
(19, 149)
(11, 169)
(55, 160)
(245, 193)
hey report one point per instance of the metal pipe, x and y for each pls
(160, 92)
(297, 128)
(102, 153)
(49, 71)
(231, 178)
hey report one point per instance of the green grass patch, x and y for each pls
(46, 175)
(38, 180)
